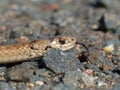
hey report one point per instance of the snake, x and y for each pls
(34, 49)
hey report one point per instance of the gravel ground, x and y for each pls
(95, 23)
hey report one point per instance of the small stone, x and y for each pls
(20, 74)
(22, 39)
(100, 83)
(109, 48)
(89, 71)
(3, 28)
(88, 80)
(39, 83)
(30, 85)
(72, 77)
(94, 26)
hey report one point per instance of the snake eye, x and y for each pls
(62, 41)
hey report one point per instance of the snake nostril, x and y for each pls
(72, 39)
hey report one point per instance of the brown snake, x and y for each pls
(34, 49)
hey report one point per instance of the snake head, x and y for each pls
(63, 43)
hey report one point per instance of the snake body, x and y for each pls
(34, 49)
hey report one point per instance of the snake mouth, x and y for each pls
(67, 47)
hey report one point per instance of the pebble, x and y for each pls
(89, 71)
(88, 80)
(18, 72)
(39, 83)
(72, 78)
(100, 83)
(108, 48)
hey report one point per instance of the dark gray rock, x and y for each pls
(60, 62)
